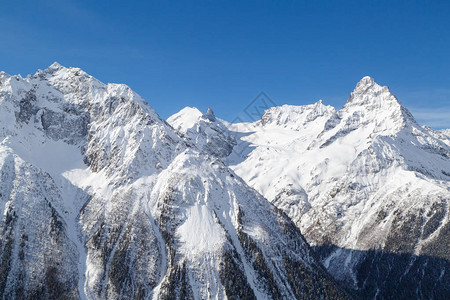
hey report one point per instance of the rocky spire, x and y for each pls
(209, 115)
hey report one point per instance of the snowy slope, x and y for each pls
(102, 199)
(366, 185)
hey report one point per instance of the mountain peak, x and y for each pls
(366, 81)
(367, 91)
(367, 85)
(372, 103)
(185, 119)
(55, 66)
(209, 115)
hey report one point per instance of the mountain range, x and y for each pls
(103, 199)
(367, 186)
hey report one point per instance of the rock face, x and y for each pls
(367, 186)
(102, 199)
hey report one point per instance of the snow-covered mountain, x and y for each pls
(443, 134)
(367, 186)
(102, 199)
(203, 131)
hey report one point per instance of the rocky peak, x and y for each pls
(370, 103)
(71, 106)
(2, 73)
(368, 93)
(50, 71)
(55, 66)
(208, 133)
(209, 115)
(365, 82)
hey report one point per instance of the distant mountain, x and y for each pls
(446, 133)
(102, 199)
(367, 186)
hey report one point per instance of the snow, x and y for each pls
(56, 157)
(184, 119)
(200, 233)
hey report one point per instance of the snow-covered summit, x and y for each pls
(204, 131)
(365, 83)
(55, 66)
(372, 105)
(184, 119)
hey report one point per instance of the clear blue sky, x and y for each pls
(222, 54)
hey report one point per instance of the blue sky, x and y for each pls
(223, 53)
